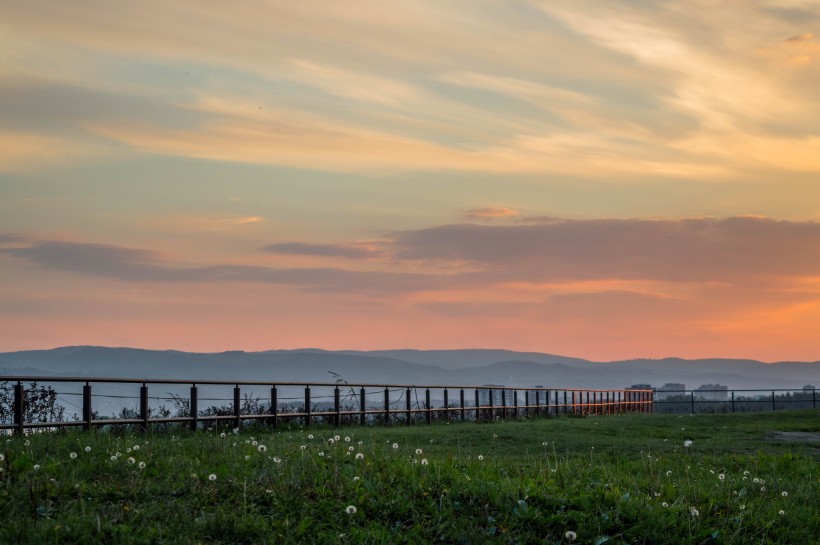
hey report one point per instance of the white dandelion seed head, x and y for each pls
(141, 465)
(781, 512)
(136, 447)
(336, 437)
(87, 449)
(247, 457)
(223, 435)
(310, 436)
(746, 472)
(665, 504)
(762, 488)
(694, 512)
(356, 478)
(351, 510)
(657, 494)
(570, 535)
(36, 467)
(350, 449)
(742, 506)
(424, 461)
(128, 450)
(261, 448)
(212, 477)
(784, 494)
(2, 457)
(254, 443)
(114, 458)
(669, 473)
(360, 456)
(687, 443)
(347, 439)
(721, 476)
(321, 454)
(277, 460)
(303, 447)
(72, 455)
(395, 445)
(235, 431)
(419, 451)
(26, 443)
(131, 460)
(480, 457)
(331, 441)
(545, 443)
(755, 480)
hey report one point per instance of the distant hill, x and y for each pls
(457, 367)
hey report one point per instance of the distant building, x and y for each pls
(713, 392)
(671, 389)
(640, 387)
(809, 388)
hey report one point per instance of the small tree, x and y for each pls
(39, 403)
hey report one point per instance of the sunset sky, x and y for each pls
(604, 180)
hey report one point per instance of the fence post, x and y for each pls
(773, 407)
(427, 402)
(87, 406)
(408, 407)
(813, 398)
(477, 409)
(19, 409)
(538, 402)
(503, 403)
(144, 407)
(515, 403)
(492, 405)
(362, 407)
(386, 405)
(337, 418)
(733, 401)
(237, 422)
(307, 405)
(446, 406)
(526, 403)
(692, 402)
(192, 407)
(274, 405)
(463, 410)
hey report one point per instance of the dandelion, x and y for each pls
(424, 461)
(781, 512)
(277, 460)
(247, 457)
(235, 431)
(321, 454)
(351, 510)
(88, 449)
(255, 443)
(480, 457)
(222, 435)
(347, 439)
(395, 445)
(570, 535)
(784, 494)
(303, 447)
(669, 473)
(2, 457)
(356, 478)
(755, 480)
(721, 476)
(141, 465)
(336, 437)
(665, 504)
(36, 467)
(350, 449)
(26, 443)
(72, 455)
(136, 447)
(418, 451)
(687, 443)
(114, 458)
(261, 448)
(310, 436)
(694, 512)
(742, 506)
(331, 441)
(212, 477)
(762, 488)
(360, 456)
(545, 443)
(131, 460)
(657, 494)
(746, 473)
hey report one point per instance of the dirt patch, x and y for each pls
(796, 436)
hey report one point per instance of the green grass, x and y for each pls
(615, 479)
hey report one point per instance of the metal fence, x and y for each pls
(730, 401)
(143, 403)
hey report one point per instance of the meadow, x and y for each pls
(621, 479)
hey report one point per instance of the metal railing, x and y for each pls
(726, 401)
(335, 403)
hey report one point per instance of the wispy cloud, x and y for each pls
(349, 251)
(490, 213)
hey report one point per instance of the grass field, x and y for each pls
(615, 479)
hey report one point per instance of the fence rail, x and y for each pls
(725, 401)
(337, 403)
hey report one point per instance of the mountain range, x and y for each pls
(417, 367)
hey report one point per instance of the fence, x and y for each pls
(334, 403)
(725, 401)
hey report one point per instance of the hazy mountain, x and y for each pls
(452, 367)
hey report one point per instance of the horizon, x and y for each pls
(612, 182)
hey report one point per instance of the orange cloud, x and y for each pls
(489, 213)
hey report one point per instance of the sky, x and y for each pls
(601, 180)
